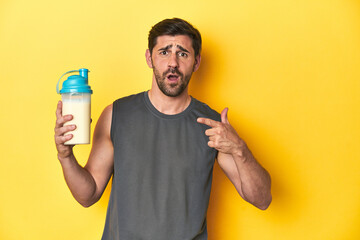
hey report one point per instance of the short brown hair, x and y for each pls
(173, 27)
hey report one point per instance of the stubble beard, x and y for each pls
(172, 89)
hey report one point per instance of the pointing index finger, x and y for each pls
(207, 121)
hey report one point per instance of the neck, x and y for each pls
(169, 105)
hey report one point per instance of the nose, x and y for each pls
(173, 61)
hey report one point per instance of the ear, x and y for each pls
(148, 58)
(197, 62)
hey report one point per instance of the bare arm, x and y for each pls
(250, 179)
(86, 183)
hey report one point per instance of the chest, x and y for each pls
(162, 145)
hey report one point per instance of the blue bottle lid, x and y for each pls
(75, 83)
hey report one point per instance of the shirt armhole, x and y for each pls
(113, 122)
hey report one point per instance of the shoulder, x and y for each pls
(130, 98)
(104, 121)
(129, 104)
(201, 109)
(107, 112)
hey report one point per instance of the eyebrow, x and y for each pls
(170, 46)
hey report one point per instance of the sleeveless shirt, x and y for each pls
(162, 172)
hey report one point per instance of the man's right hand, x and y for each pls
(64, 151)
(86, 183)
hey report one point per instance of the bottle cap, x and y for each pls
(76, 83)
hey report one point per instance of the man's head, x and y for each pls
(174, 27)
(173, 54)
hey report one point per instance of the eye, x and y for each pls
(183, 54)
(163, 52)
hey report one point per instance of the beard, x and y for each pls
(172, 89)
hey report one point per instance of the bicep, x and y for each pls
(227, 164)
(101, 161)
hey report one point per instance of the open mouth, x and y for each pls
(172, 77)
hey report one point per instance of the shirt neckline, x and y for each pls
(153, 110)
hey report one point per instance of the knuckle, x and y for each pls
(59, 131)
(57, 141)
(63, 139)
(60, 139)
(59, 121)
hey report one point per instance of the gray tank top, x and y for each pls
(162, 172)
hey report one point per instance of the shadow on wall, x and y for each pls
(201, 86)
(201, 79)
(285, 208)
(104, 200)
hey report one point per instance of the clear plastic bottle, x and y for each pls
(76, 98)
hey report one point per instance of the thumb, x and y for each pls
(224, 118)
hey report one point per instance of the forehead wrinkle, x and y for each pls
(166, 47)
(182, 48)
(177, 46)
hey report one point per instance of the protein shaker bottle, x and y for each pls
(76, 99)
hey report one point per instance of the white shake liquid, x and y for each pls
(79, 106)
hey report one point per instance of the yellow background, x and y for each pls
(287, 70)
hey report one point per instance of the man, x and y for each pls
(160, 148)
